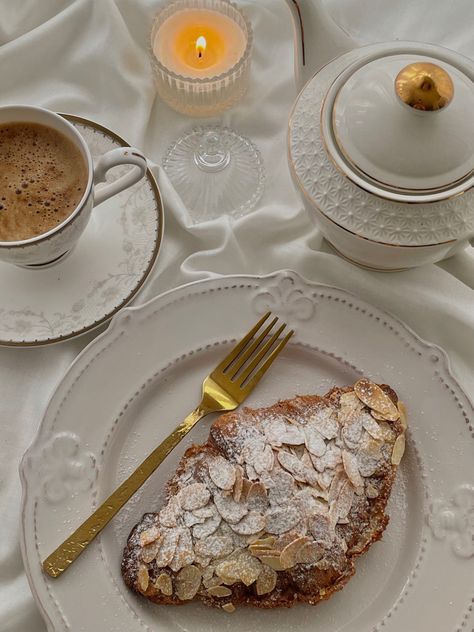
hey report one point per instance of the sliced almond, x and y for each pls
(205, 512)
(351, 467)
(352, 432)
(257, 498)
(164, 584)
(214, 546)
(282, 520)
(273, 561)
(231, 511)
(237, 491)
(228, 607)
(184, 553)
(252, 451)
(187, 581)
(143, 578)
(190, 519)
(265, 461)
(372, 427)
(343, 502)
(326, 423)
(331, 458)
(320, 528)
(273, 552)
(212, 581)
(282, 487)
(293, 434)
(266, 581)
(371, 491)
(274, 430)
(403, 414)
(170, 513)
(253, 522)
(228, 571)
(222, 472)
(268, 541)
(368, 464)
(149, 535)
(246, 485)
(337, 482)
(258, 551)
(167, 547)
(296, 467)
(149, 552)
(253, 538)
(375, 398)
(289, 554)
(398, 449)
(249, 568)
(310, 553)
(314, 440)
(219, 591)
(193, 496)
(377, 416)
(350, 407)
(209, 526)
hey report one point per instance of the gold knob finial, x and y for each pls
(424, 86)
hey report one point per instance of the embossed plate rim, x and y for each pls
(176, 298)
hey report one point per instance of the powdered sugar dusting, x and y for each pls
(283, 491)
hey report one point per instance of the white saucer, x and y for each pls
(109, 265)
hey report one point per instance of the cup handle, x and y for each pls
(119, 156)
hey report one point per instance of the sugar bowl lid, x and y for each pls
(402, 125)
(382, 141)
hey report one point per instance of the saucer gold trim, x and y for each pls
(158, 239)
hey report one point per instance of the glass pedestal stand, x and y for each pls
(215, 172)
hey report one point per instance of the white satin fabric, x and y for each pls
(89, 57)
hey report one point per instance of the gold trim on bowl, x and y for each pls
(317, 208)
(355, 169)
(364, 175)
(303, 190)
(158, 239)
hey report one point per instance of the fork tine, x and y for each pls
(259, 357)
(252, 383)
(249, 351)
(237, 350)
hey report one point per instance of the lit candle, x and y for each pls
(197, 43)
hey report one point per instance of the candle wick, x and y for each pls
(200, 54)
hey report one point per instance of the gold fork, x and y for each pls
(225, 388)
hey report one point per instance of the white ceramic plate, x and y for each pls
(109, 265)
(135, 382)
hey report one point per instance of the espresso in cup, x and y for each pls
(43, 177)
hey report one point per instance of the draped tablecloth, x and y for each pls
(89, 57)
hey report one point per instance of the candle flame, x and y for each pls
(200, 45)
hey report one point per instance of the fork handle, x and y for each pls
(74, 545)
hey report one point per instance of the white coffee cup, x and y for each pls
(53, 245)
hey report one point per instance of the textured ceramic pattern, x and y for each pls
(131, 239)
(168, 345)
(347, 204)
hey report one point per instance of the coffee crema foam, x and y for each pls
(43, 176)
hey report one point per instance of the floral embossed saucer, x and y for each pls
(108, 267)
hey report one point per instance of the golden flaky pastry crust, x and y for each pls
(276, 506)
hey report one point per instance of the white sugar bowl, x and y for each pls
(381, 146)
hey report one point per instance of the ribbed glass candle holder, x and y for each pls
(202, 96)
